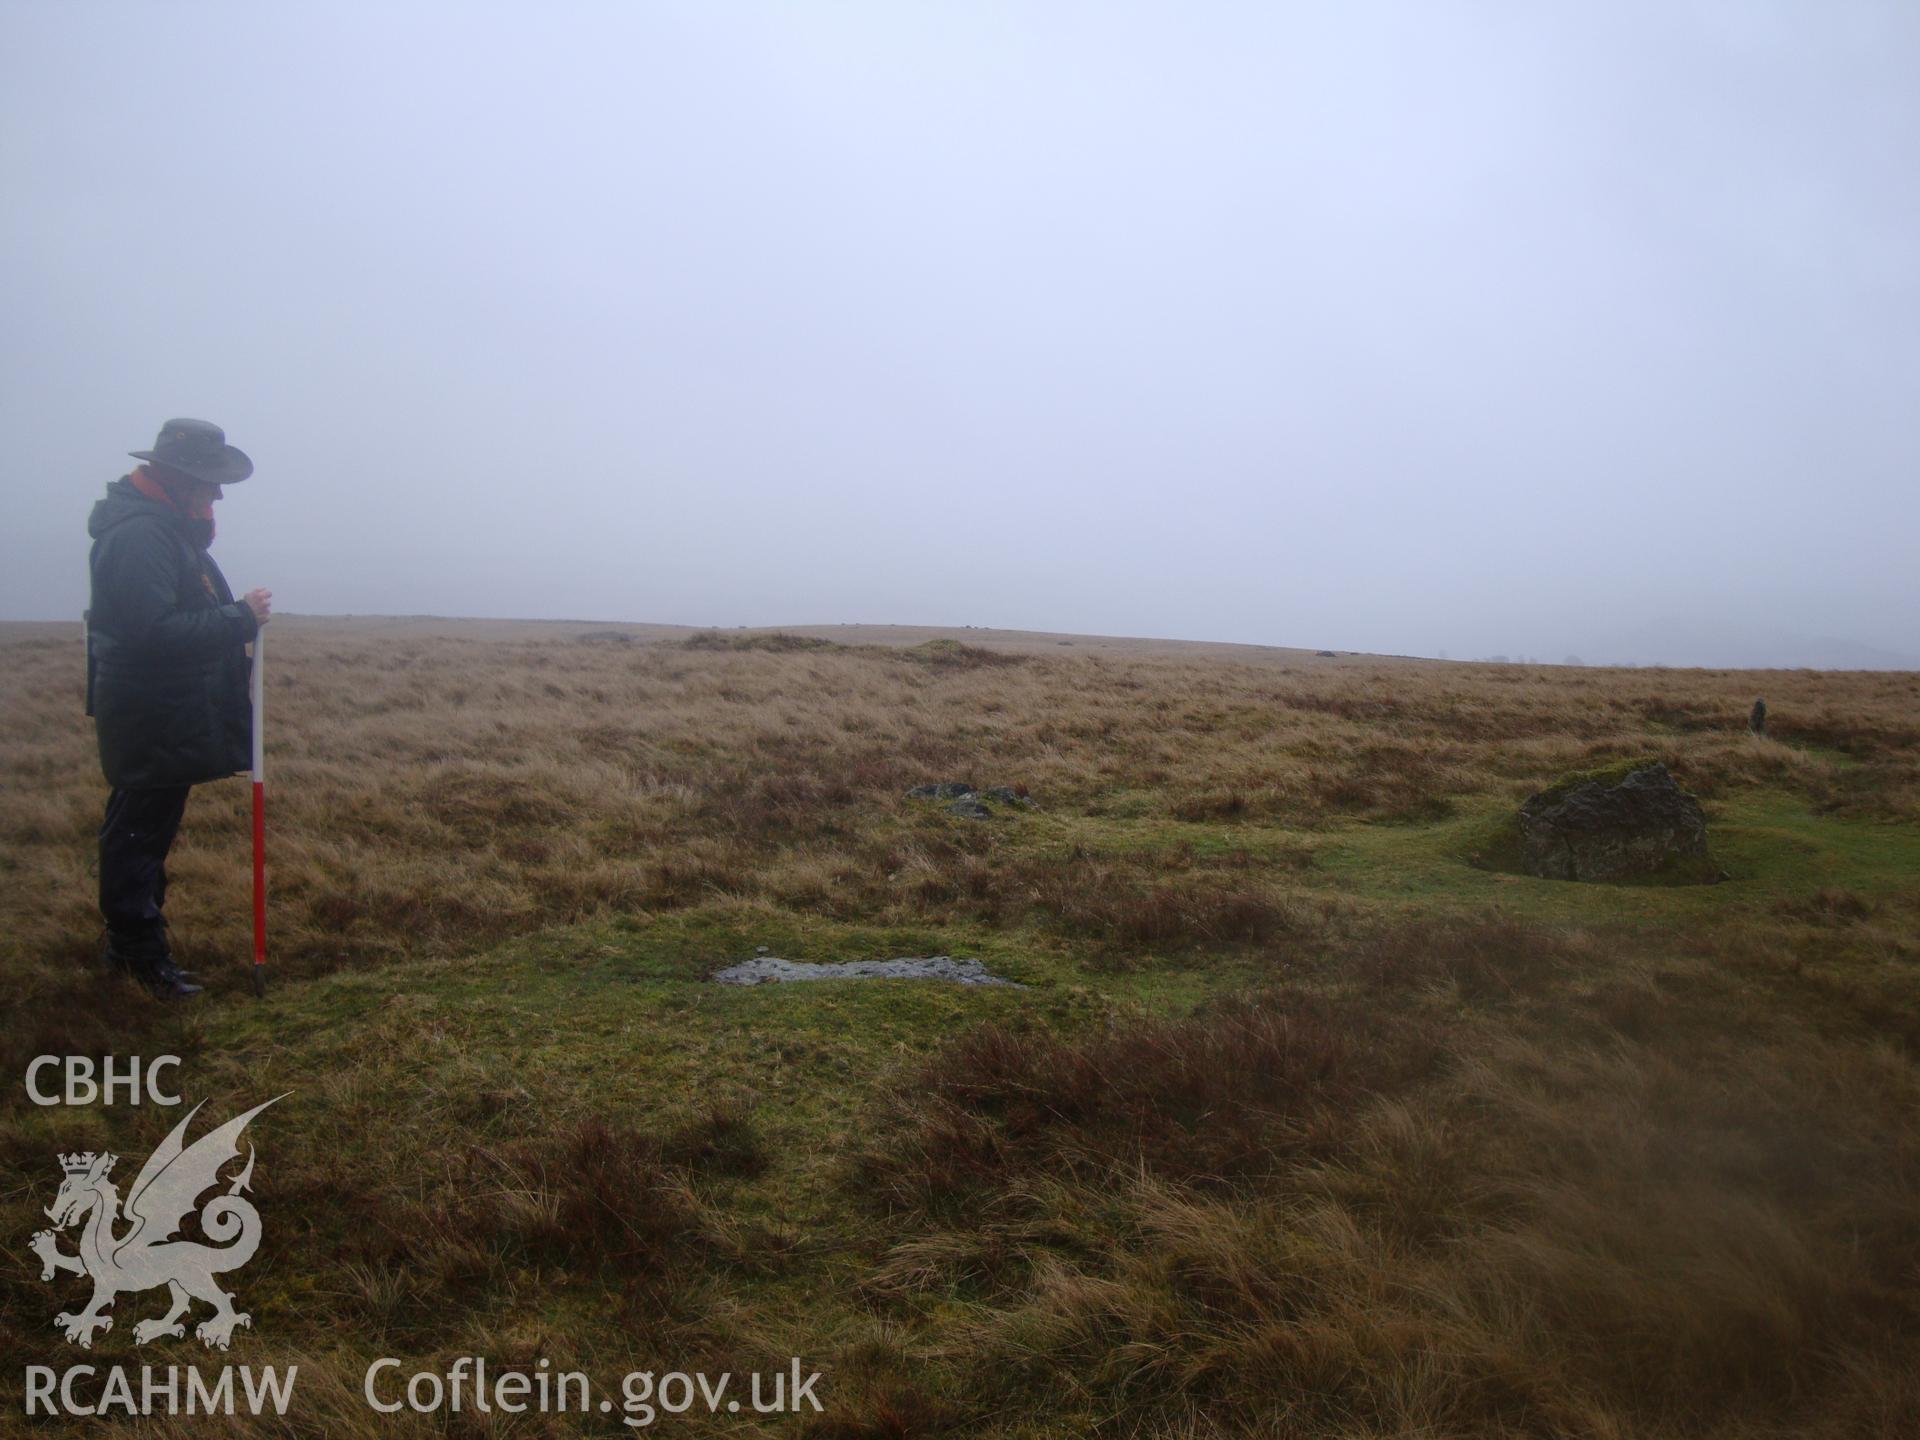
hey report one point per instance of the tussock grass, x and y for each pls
(778, 642)
(1455, 1227)
(1303, 1127)
(457, 792)
(1226, 1093)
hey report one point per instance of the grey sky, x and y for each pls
(1407, 327)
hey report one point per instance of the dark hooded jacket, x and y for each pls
(167, 668)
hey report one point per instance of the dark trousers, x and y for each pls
(134, 840)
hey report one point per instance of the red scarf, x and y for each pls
(157, 489)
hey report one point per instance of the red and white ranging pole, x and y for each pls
(260, 812)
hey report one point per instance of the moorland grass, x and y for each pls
(1301, 1126)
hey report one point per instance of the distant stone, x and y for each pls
(1325, 654)
(1757, 718)
(1615, 826)
(967, 801)
(771, 970)
(945, 790)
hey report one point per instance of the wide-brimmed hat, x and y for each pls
(198, 448)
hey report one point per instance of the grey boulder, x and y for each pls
(1643, 825)
(945, 790)
(771, 970)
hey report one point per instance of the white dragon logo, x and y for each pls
(146, 1255)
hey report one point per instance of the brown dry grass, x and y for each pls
(1295, 1217)
(436, 793)
(1443, 1167)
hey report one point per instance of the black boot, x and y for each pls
(165, 964)
(143, 956)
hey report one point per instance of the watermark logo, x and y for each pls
(138, 1247)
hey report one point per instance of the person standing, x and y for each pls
(167, 678)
